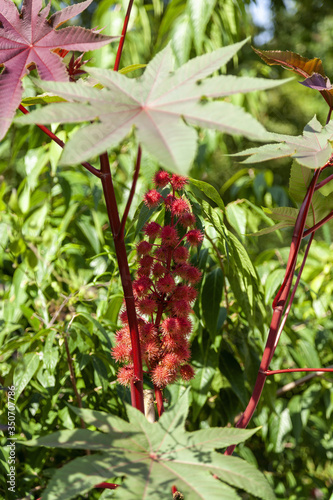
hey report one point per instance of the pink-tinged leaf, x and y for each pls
(317, 82)
(67, 13)
(291, 60)
(29, 40)
(160, 106)
(299, 64)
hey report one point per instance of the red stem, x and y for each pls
(318, 225)
(107, 486)
(297, 237)
(278, 305)
(131, 195)
(56, 139)
(117, 228)
(159, 400)
(324, 182)
(123, 36)
(112, 209)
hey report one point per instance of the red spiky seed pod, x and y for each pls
(161, 178)
(152, 198)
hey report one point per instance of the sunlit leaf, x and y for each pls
(28, 39)
(153, 458)
(313, 149)
(160, 104)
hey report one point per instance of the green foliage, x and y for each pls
(161, 454)
(59, 279)
(313, 149)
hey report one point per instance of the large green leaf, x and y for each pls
(157, 105)
(313, 149)
(211, 296)
(153, 458)
(205, 360)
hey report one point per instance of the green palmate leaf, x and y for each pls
(312, 149)
(153, 457)
(160, 104)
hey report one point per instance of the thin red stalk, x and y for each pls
(107, 486)
(56, 139)
(285, 316)
(117, 228)
(291, 370)
(159, 400)
(297, 236)
(324, 182)
(123, 36)
(318, 225)
(278, 305)
(131, 195)
(112, 210)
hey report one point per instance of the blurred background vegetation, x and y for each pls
(59, 285)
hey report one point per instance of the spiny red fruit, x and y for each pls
(194, 237)
(186, 372)
(152, 229)
(161, 178)
(163, 289)
(169, 236)
(178, 182)
(152, 198)
(143, 248)
(179, 206)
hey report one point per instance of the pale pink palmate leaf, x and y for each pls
(28, 38)
(162, 105)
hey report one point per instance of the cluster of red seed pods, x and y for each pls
(164, 288)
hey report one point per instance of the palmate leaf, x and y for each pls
(300, 178)
(152, 458)
(160, 104)
(28, 39)
(312, 149)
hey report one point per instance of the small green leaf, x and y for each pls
(131, 67)
(209, 191)
(42, 99)
(24, 372)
